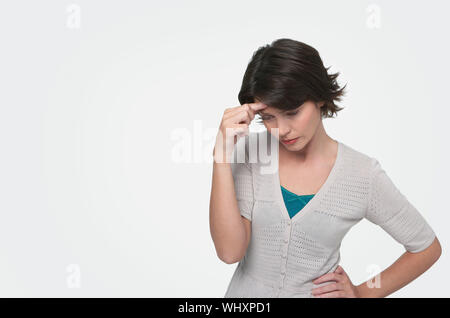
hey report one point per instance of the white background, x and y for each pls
(92, 200)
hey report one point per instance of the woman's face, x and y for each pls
(300, 123)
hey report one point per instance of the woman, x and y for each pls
(285, 227)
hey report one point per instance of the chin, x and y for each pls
(293, 148)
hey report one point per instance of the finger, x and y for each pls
(231, 109)
(236, 129)
(333, 294)
(242, 117)
(251, 112)
(240, 131)
(254, 106)
(327, 288)
(328, 277)
(339, 270)
(235, 110)
(257, 106)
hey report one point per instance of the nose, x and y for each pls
(283, 131)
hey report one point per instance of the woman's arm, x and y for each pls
(404, 270)
(226, 225)
(229, 230)
(389, 208)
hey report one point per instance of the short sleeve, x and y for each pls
(391, 210)
(243, 179)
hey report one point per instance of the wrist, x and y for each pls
(360, 292)
(364, 291)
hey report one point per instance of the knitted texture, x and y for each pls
(284, 255)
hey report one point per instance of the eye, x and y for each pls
(292, 114)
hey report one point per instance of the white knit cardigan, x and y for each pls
(284, 255)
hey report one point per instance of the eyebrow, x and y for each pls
(281, 112)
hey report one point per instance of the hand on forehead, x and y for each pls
(257, 106)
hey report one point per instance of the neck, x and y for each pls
(320, 146)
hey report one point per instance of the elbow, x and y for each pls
(229, 258)
(438, 248)
(434, 250)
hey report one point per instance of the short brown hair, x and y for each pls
(287, 73)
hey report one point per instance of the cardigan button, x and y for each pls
(285, 240)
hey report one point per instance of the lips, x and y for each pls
(289, 141)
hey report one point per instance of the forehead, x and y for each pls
(271, 111)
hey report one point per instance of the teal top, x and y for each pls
(294, 203)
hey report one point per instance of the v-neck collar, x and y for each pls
(317, 196)
(292, 194)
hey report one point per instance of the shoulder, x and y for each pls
(356, 156)
(356, 162)
(370, 169)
